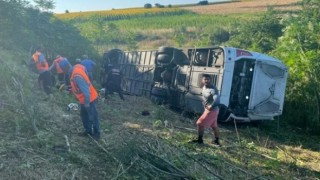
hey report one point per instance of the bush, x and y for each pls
(260, 35)
(148, 5)
(219, 36)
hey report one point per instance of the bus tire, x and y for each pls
(164, 58)
(166, 50)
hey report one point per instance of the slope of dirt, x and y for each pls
(245, 7)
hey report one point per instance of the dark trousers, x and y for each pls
(90, 119)
(111, 88)
(45, 81)
(63, 79)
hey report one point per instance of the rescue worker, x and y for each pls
(211, 101)
(62, 77)
(86, 95)
(113, 80)
(89, 64)
(42, 66)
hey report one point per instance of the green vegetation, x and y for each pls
(22, 108)
(33, 129)
(295, 40)
(28, 27)
(188, 20)
(271, 32)
(299, 47)
(152, 32)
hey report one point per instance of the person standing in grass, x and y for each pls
(211, 101)
(41, 63)
(86, 95)
(113, 80)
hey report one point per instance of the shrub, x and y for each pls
(148, 5)
(219, 36)
(203, 2)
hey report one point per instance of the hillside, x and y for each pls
(152, 147)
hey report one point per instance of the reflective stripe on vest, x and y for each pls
(79, 70)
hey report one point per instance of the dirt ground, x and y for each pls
(245, 7)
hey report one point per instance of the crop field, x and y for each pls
(218, 8)
(245, 7)
(124, 13)
(187, 20)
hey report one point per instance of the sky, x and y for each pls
(93, 5)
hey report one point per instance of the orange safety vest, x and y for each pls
(57, 65)
(39, 65)
(79, 70)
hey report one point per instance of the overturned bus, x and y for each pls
(252, 85)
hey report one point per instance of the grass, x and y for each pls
(152, 32)
(144, 147)
(187, 20)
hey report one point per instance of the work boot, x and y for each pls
(216, 143)
(198, 141)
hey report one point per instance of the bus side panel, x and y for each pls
(138, 71)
